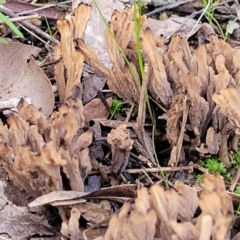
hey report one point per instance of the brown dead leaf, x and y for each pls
(91, 85)
(21, 77)
(96, 109)
(19, 7)
(173, 25)
(14, 219)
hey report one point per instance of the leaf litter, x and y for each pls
(50, 158)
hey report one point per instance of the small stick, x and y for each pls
(44, 7)
(149, 170)
(235, 180)
(168, 6)
(186, 106)
(18, 19)
(198, 167)
(129, 114)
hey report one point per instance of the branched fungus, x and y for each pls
(121, 144)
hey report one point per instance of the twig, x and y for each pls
(104, 101)
(169, 6)
(164, 169)
(28, 25)
(186, 106)
(32, 33)
(44, 7)
(204, 11)
(140, 131)
(18, 19)
(235, 180)
(176, 150)
(42, 65)
(129, 114)
(161, 107)
(198, 167)
(147, 176)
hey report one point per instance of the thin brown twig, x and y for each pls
(44, 7)
(168, 6)
(18, 19)
(161, 107)
(164, 169)
(176, 150)
(129, 114)
(186, 106)
(235, 180)
(198, 167)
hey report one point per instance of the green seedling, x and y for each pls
(209, 14)
(237, 190)
(213, 166)
(135, 112)
(10, 24)
(199, 179)
(49, 30)
(117, 106)
(237, 213)
(229, 177)
(236, 159)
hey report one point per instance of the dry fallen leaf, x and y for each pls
(21, 77)
(96, 109)
(13, 219)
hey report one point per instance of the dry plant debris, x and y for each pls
(169, 214)
(187, 84)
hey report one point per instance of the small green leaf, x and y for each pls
(237, 190)
(11, 25)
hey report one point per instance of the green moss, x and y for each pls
(213, 165)
(199, 179)
(237, 190)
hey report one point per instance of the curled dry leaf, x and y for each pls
(21, 77)
(121, 144)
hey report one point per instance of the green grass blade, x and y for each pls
(11, 25)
